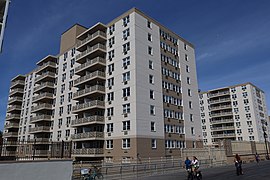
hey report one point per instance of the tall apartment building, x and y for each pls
(236, 112)
(123, 90)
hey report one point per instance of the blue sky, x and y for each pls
(231, 37)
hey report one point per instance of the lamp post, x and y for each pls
(265, 141)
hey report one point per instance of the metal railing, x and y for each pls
(89, 90)
(41, 117)
(13, 116)
(42, 106)
(220, 100)
(46, 84)
(219, 93)
(15, 99)
(222, 128)
(90, 63)
(17, 82)
(87, 151)
(53, 64)
(222, 121)
(9, 125)
(221, 114)
(16, 90)
(89, 76)
(91, 119)
(88, 135)
(40, 128)
(44, 75)
(220, 107)
(88, 105)
(90, 37)
(10, 134)
(50, 95)
(14, 107)
(91, 49)
(223, 135)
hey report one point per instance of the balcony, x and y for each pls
(44, 106)
(48, 65)
(88, 136)
(47, 75)
(12, 125)
(88, 105)
(220, 107)
(222, 121)
(15, 100)
(221, 114)
(89, 77)
(40, 129)
(42, 152)
(91, 52)
(219, 94)
(47, 85)
(19, 83)
(16, 91)
(13, 116)
(220, 100)
(91, 65)
(43, 96)
(222, 128)
(9, 153)
(95, 38)
(88, 120)
(89, 91)
(88, 151)
(223, 135)
(14, 108)
(10, 134)
(40, 118)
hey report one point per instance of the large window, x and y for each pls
(126, 92)
(126, 125)
(125, 143)
(126, 108)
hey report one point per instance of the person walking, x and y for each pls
(257, 157)
(238, 165)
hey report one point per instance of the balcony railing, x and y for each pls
(13, 116)
(46, 84)
(222, 121)
(87, 120)
(17, 90)
(221, 114)
(223, 135)
(42, 106)
(89, 77)
(220, 107)
(14, 99)
(14, 134)
(223, 128)
(90, 63)
(12, 125)
(87, 135)
(89, 90)
(43, 95)
(21, 82)
(88, 105)
(40, 118)
(51, 74)
(220, 100)
(40, 128)
(90, 37)
(42, 152)
(219, 94)
(52, 64)
(14, 107)
(90, 50)
(87, 151)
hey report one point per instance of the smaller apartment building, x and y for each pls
(235, 112)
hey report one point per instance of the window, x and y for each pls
(126, 34)
(190, 104)
(64, 66)
(249, 123)
(185, 46)
(69, 108)
(151, 79)
(154, 143)
(126, 61)
(111, 41)
(67, 133)
(191, 117)
(61, 99)
(110, 111)
(250, 130)
(126, 47)
(125, 20)
(110, 82)
(125, 143)
(149, 37)
(110, 127)
(149, 24)
(126, 76)
(62, 88)
(109, 144)
(238, 124)
(69, 97)
(126, 108)
(188, 80)
(192, 130)
(110, 68)
(245, 94)
(248, 115)
(110, 96)
(235, 103)
(60, 122)
(152, 110)
(239, 131)
(236, 110)
(152, 94)
(189, 92)
(72, 62)
(71, 73)
(111, 29)
(59, 133)
(247, 108)
(151, 64)
(126, 125)
(251, 138)
(64, 76)
(61, 111)
(111, 54)
(240, 138)
(126, 92)
(150, 50)
(187, 69)
(153, 126)
(68, 121)
(234, 96)
(186, 57)
(246, 101)
(70, 85)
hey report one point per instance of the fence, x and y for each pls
(138, 167)
(33, 150)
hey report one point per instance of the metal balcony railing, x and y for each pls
(89, 77)
(90, 63)
(88, 105)
(90, 50)
(88, 135)
(89, 90)
(86, 120)
(46, 84)
(87, 151)
(90, 37)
